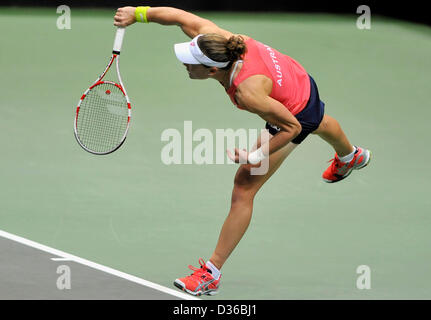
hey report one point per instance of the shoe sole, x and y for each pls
(350, 171)
(181, 286)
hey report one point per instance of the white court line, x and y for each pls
(66, 256)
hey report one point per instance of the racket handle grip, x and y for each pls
(118, 40)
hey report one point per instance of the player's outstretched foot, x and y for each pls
(339, 170)
(199, 282)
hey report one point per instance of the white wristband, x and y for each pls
(256, 156)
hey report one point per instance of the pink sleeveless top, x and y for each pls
(290, 81)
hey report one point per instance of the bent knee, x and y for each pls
(246, 185)
(243, 177)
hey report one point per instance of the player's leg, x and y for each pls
(347, 157)
(330, 131)
(246, 185)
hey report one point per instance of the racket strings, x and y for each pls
(103, 129)
(103, 118)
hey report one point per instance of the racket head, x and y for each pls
(102, 118)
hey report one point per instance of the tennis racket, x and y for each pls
(103, 114)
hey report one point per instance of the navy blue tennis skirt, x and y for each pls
(309, 118)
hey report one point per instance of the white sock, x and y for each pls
(214, 271)
(349, 157)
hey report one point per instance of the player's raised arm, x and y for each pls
(191, 24)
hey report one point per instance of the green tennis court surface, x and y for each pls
(131, 212)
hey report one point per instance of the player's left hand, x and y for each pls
(124, 16)
(241, 156)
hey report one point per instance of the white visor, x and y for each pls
(190, 53)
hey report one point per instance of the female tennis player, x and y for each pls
(260, 80)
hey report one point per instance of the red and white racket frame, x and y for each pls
(114, 57)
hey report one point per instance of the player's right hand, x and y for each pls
(124, 16)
